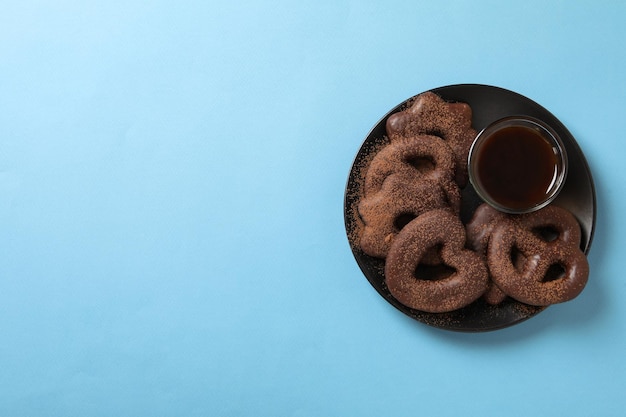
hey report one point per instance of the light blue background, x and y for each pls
(171, 226)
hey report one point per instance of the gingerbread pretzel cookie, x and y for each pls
(464, 285)
(404, 180)
(479, 230)
(554, 269)
(420, 157)
(534, 258)
(399, 201)
(430, 114)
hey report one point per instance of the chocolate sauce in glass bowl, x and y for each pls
(517, 165)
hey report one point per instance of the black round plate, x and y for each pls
(488, 104)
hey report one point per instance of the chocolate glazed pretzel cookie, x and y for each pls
(387, 212)
(535, 258)
(479, 231)
(430, 114)
(404, 180)
(420, 157)
(464, 285)
(555, 269)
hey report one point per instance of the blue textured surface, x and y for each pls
(171, 189)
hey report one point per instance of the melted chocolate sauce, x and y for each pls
(516, 167)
